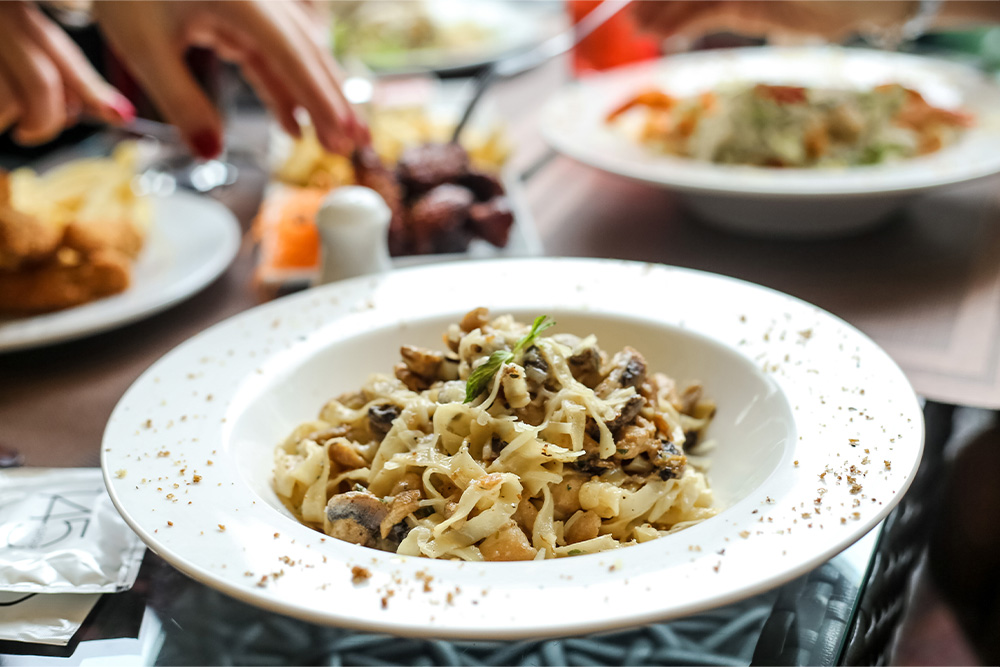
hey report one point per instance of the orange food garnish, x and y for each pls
(286, 228)
(654, 99)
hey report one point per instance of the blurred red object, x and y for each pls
(617, 42)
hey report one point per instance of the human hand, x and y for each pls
(45, 80)
(830, 19)
(273, 43)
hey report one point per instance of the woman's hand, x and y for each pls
(274, 44)
(45, 80)
(830, 19)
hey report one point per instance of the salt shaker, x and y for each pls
(353, 224)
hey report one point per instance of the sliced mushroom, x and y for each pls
(586, 366)
(536, 369)
(380, 418)
(401, 506)
(670, 460)
(689, 399)
(353, 399)
(475, 319)
(421, 361)
(356, 517)
(628, 369)
(412, 381)
(625, 416)
(591, 462)
(342, 453)
(637, 438)
(408, 482)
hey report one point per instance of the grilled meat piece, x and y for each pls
(484, 186)
(422, 168)
(492, 220)
(439, 216)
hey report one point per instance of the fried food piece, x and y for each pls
(90, 236)
(24, 239)
(68, 279)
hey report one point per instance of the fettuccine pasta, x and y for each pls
(509, 445)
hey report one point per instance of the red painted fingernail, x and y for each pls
(121, 106)
(206, 144)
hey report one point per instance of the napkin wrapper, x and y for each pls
(60, 533)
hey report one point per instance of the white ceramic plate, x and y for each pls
(191, 242)
(794, 201)
(188, 451)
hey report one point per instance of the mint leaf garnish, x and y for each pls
(480, 378)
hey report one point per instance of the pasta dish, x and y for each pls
(508, 445)
(792, 126)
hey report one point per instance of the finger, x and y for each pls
(74, 107)
(331, 71)
(90, 89)
(160, 69)
(287, 53)
(274, 95)
(37, 85)
(10, 110)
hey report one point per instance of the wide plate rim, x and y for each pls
(269, 599)
(693, 177)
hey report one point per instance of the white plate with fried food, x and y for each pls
(816, 432)
(808, 202)
(189, 242)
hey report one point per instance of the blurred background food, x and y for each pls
(446, 36)
(384, 31)
(70, 235)
(443, 195)
(393, 129)
(791, 126)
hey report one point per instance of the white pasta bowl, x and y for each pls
(790, 203)
(818, 435)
